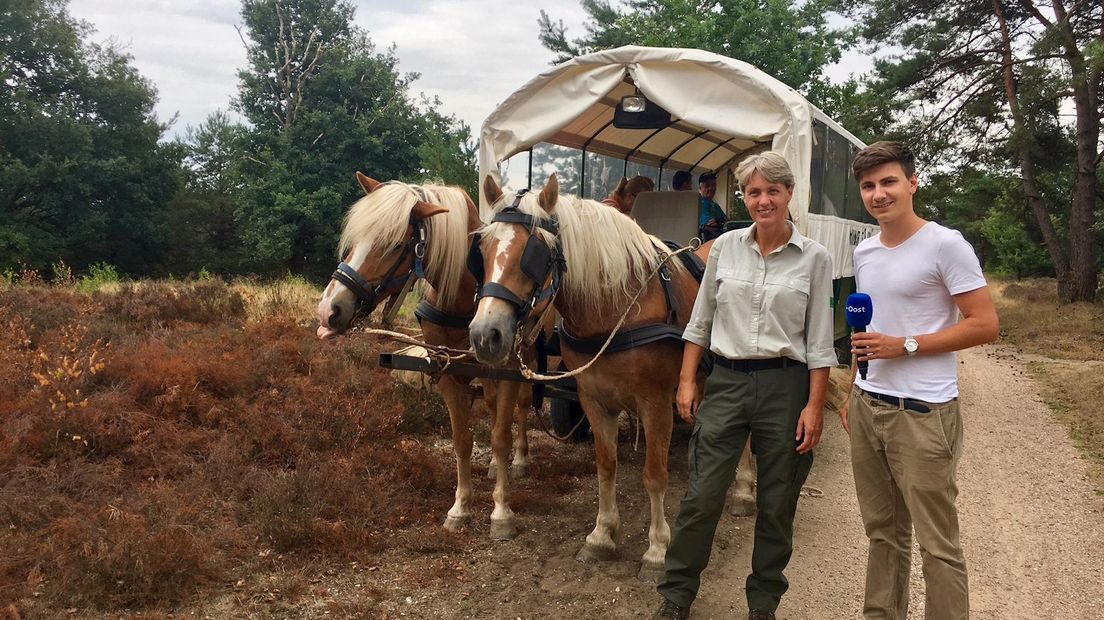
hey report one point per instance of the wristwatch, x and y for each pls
(911, 346)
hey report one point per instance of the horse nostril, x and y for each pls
(336, 311)
(496, 338)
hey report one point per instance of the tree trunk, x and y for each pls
(1053, 242)
(1083, 272)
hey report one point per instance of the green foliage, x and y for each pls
(1016, 254)
(990, 85)
(448, 153)
(99, 274)
(202, 230)
(789, 40)
(348, 109)
(82, 176)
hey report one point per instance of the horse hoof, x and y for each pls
(518, 471)
(650, 574)
(503, 530)
(593, 553)
(741, 506)
(455, 524)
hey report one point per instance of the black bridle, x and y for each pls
(539, 262)
(369, 293)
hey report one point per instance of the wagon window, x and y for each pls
(816, 169)
(564, 161)
(515, 171)
(836, 172)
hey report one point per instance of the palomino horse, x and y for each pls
(397, 232)
(608, 259)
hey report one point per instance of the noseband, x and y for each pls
(538, 261)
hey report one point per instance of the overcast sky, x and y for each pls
(470, 53)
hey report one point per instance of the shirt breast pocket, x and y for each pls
(790, 295)
(732, 287)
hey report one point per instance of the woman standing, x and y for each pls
(764, 310)
(624, 195)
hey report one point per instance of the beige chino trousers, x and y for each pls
(904, 463)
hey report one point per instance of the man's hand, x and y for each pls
(688, 400)
(843, 410)
(809, 427)
(874, 346)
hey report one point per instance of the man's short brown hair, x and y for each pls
(884, 153)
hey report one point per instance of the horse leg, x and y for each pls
(741, 496)
(657, 421)
(458, 401)
(520, 465)
(601, 543)
(502, 518)
(490, 400)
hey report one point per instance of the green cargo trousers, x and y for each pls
(765, 404)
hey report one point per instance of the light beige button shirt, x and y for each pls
(751, 306)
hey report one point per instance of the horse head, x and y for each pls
(518, 266)
(383, 244)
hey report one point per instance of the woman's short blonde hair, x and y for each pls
(771, 165)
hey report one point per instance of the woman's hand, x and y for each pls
(809, 427)
(688, 399)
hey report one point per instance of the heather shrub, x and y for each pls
(157, 440)
(206, 302)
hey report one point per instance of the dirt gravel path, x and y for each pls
(1032, 530)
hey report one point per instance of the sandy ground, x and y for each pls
(1032, 530)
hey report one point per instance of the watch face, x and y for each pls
(911, 345)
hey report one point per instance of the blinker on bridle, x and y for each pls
(538, 260)
(368, 293)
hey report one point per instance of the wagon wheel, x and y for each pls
(565, 414)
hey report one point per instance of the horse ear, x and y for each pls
(422, 210)
(550, 194)
(368, 183)
(491, 189)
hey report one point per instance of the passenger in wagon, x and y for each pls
(711, 217)
(623, 196)
(764, 311)
(681, 181)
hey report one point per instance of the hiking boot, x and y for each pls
(670, 611)
(760, 614)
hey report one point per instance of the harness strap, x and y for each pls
(629, 339)
(428, 312)
(693, 263)
(669, 294)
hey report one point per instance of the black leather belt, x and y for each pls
(756, 365)
(903, 403)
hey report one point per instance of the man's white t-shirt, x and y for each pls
(911, 287)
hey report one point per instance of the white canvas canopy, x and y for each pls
(720, 108)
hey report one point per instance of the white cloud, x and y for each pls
(471, 53)
(189, 50)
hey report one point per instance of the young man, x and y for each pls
(906, 433)
(711, 218)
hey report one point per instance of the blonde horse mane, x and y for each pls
(617, 253)
(378, 222)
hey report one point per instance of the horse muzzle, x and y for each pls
(492, 336)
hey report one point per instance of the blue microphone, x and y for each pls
(859, 312)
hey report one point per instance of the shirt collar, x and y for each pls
(795, 237)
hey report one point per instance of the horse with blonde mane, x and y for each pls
(609, 258)
(391, 236)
